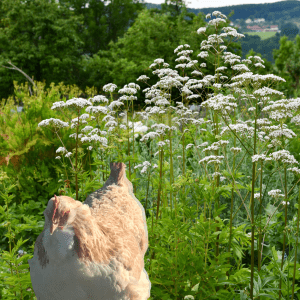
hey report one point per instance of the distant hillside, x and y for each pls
(272, 12)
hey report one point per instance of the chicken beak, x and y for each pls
(52, 228)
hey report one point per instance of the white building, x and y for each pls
(259, 20)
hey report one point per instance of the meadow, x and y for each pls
(263, 35)
(220, 188)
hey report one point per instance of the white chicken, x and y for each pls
(93, 250)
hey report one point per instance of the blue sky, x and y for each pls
(216, 3)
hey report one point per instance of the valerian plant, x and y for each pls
(225, 144)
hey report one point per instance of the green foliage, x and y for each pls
(181, 268)
(288, 66)
(41, 39)
(289, 29)
(15, 224)
(102, 23)
(17, 284)
(32, 150)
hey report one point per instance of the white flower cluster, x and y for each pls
(56, 123)
(145, 166)
(236, 150)
(149, 135)
(260, 157)
(282, 109)
(216, 146)
(284, 156)
(216, 174)
(220, 103)
(294, 170)
(243, 129)
(275, 193)
(212, 159)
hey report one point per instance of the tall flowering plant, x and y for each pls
(258, 137)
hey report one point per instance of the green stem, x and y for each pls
(128, 142)
(259, 246)
(148, 183)
(134, 185)
(252, 211)
(285, 228)
(217, 63)
(66, 149)
(171, 164)
(183, 160)
(90, 164)
(76, 178)
(231, 204)
(296, 247)
(161, 153)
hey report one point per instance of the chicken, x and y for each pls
(93, 250)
